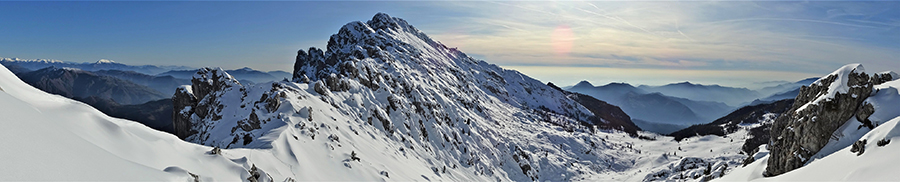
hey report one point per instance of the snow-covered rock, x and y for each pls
(854, 150)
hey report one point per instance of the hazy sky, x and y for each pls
(648, 42)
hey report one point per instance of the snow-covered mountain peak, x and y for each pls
(385, 92)
(104, 61)
(30, 60)
(383, 21)
(382, 32)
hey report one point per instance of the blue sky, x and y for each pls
(648, 42)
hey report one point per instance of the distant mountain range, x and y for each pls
(163, 84)
(671, 107)
(653, 111)
(72, 83)
(714, 93)
(783, 91)
(607, 113)
(103, 64)
(244, 75)
(149, 75)
(122, 94)
(786, 87)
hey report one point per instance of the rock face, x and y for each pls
(818, 111)
(183, 108)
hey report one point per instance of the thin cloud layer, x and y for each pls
(807, 37)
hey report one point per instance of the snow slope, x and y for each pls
(50, 137)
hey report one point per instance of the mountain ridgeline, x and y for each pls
(713, 93)
(654, 111)
(245, 75)
(384, 82)
(103, 64)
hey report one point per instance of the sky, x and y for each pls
(732, 43)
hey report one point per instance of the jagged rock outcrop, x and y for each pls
(817, 112)
(200, 109)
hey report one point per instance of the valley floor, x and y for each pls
(663, 156)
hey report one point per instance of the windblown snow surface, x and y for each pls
(835, 161)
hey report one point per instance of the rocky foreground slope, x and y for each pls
(818, 111)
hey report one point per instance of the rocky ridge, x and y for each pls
(818, 111)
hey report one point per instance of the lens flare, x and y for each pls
(562, 40)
